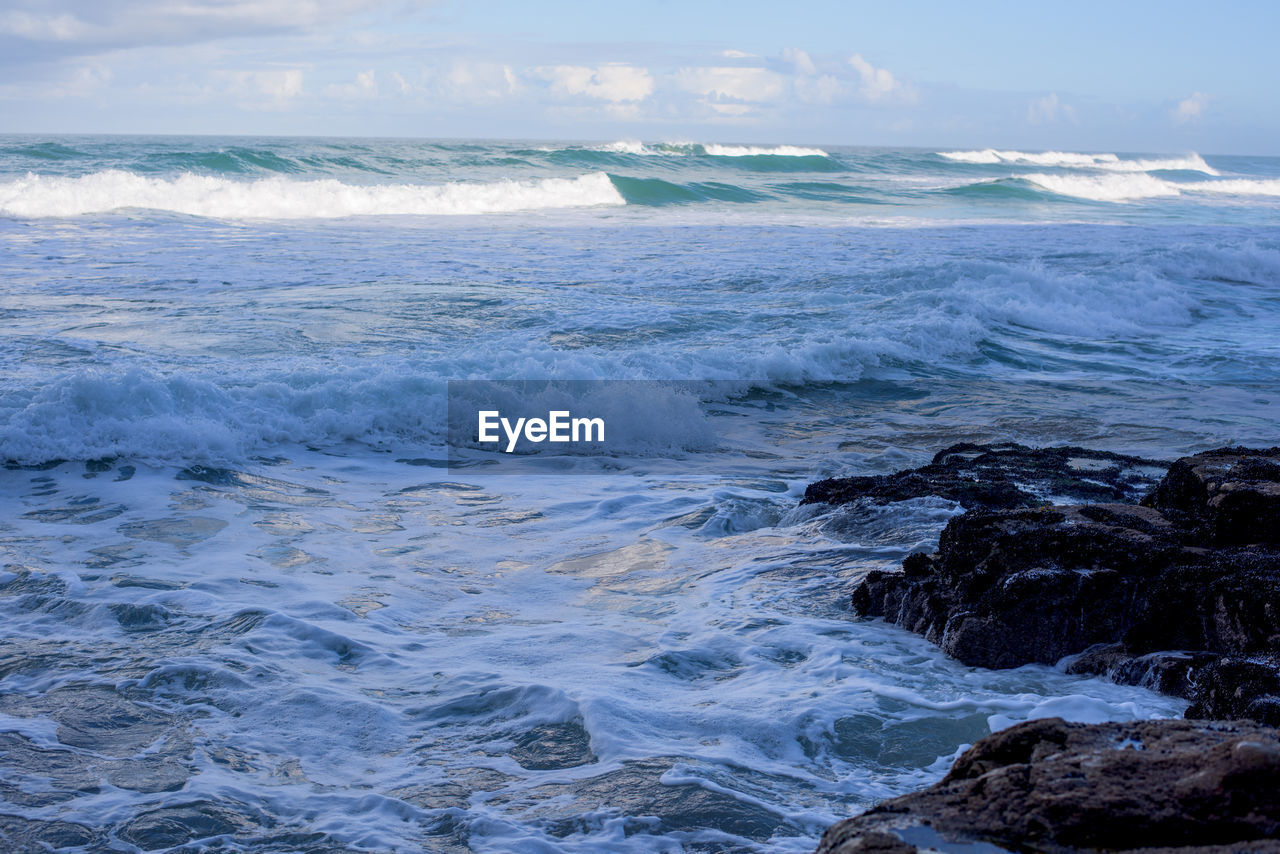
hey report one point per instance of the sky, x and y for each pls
(1133, 76)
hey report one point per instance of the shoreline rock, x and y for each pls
(1191, 787)
(1180, 592)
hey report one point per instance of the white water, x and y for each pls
(284, 198)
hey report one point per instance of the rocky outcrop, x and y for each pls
(1001, 477)
(1190, 787)
(1180, 593)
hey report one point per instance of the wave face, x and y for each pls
(278, 198)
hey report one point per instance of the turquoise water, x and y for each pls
(244, 603)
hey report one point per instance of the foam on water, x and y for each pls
(757, 151)
(1071, 160)
(249, 393)
(638, 684)
(1133, 187)
(280, 198)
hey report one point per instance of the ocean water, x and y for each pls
(246, 604)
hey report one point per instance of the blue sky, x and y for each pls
(1117, 76)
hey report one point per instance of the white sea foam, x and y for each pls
(630, 146)
(754, 150)
(282, 198)
(1073, 160)
(684, 149)
(1105, 188)
(1133, 186)
(1236, 187)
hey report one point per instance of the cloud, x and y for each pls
(1048, 109)
(879, 84)
(801, 60)
(277, 86)
(86, 26)
(737, 54)
(614, 82)
(825, 89)
(1189, 109)
(473, 82)
(718, 83)
(366, 86)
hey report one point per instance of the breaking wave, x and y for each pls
(1072, 160)
(281, 198)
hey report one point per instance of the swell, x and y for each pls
(966, 318)
(780, 158)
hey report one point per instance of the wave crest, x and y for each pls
(1072, 160)
(282, 198)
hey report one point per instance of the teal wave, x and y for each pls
(655, 192)
(778, 163)
(1011, 189)
(826, 191)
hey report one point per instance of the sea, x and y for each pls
(248, 602)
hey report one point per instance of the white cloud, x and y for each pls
(737, 54)
(819, 90)
(102, 24)
(1048, 109)
(56, 28)
(801, 60)
(614, 82)
(754, 85)
(879, 84)
(472, 82)
(401, 83)
(1190, 108)
(278, 85)
(366, 86)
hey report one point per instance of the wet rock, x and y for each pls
(1002, 477)
(1227, 496)
(1180, 593)
(1052, 786)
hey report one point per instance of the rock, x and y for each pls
(1052, 786)
(1228, 496)
(1001, 477)
(1180, 593)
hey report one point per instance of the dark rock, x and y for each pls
(1001, 477)
(1052, 786)
(1164, 594)
(1227, 496)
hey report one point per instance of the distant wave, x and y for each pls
(686, 149)
(282, 198)
(756, 151)
(1120, 188)
(1072, 160)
